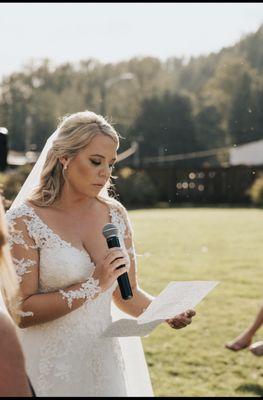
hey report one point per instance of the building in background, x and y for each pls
(247, 154)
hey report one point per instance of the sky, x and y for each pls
(112, 32)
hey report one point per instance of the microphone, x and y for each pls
(110, 232)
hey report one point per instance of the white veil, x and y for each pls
(33, 178)
(138, 381)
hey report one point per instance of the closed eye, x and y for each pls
(98, 163)
(95, 162)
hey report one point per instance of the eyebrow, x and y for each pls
(99, 155)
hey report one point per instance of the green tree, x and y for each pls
(208, 131)
(241, 118)
(166, 125)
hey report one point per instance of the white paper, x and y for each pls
(176, 298)
(129, 327)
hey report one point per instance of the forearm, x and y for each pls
(45, 307)
(136, 305)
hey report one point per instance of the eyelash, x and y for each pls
(98, 163)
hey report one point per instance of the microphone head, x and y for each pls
(110, 230)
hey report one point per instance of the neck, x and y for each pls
(70, 200)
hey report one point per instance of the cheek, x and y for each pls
(82, 172)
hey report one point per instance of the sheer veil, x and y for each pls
(138, 381)
(33, 178)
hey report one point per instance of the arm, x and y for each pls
(141, 299)
(37, 308)
(13, 379)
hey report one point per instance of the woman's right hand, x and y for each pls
(107, 271)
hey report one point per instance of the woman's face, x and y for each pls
(91, 168)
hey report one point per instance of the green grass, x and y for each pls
(203, 244)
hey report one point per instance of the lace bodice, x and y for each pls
(70, 264)
(71, 342)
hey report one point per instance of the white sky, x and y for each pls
(113, 32)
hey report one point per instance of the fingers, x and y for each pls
(114, 254)
(190, 313)
(120, 271)
(182, 323)
(118, 263)
(177, 324)
(181, 320)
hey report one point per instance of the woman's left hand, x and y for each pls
(181, 320)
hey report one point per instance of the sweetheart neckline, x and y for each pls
(82, 251)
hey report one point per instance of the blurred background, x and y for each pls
(181, 82)
(183, 85)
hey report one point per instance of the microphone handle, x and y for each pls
(123, 280)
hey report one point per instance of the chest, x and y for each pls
(83, 232)
(90, 236)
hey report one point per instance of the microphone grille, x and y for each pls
(110, 230)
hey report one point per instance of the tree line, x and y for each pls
(169, 107)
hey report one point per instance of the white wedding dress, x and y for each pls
(66, 357)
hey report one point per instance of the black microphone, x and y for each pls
(110, 232)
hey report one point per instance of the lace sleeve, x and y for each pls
(127, 233)
(128, 237)
(24, 252)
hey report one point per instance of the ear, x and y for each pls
(64, 160)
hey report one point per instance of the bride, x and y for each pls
(67, 274)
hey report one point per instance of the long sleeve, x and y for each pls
(25, 253)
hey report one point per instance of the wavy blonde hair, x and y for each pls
(8, 279)
(75, 132)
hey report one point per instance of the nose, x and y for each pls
(105, 171)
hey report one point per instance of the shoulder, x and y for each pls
(23, 210)
(22, 225)
(115, 207)
(120, 216)
(121, 209)
(112, 204)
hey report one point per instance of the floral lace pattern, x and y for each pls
(121, 220)
(22, 267)
(87, 291)
(66, 356)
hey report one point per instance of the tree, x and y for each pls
(208, 131)
(241, 118)
(167, 126)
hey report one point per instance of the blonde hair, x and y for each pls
(8, 279)
(75, 132)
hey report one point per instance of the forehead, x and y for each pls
(102, 144)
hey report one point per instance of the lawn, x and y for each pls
(203, 244)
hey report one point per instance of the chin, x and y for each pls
(93, 192)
